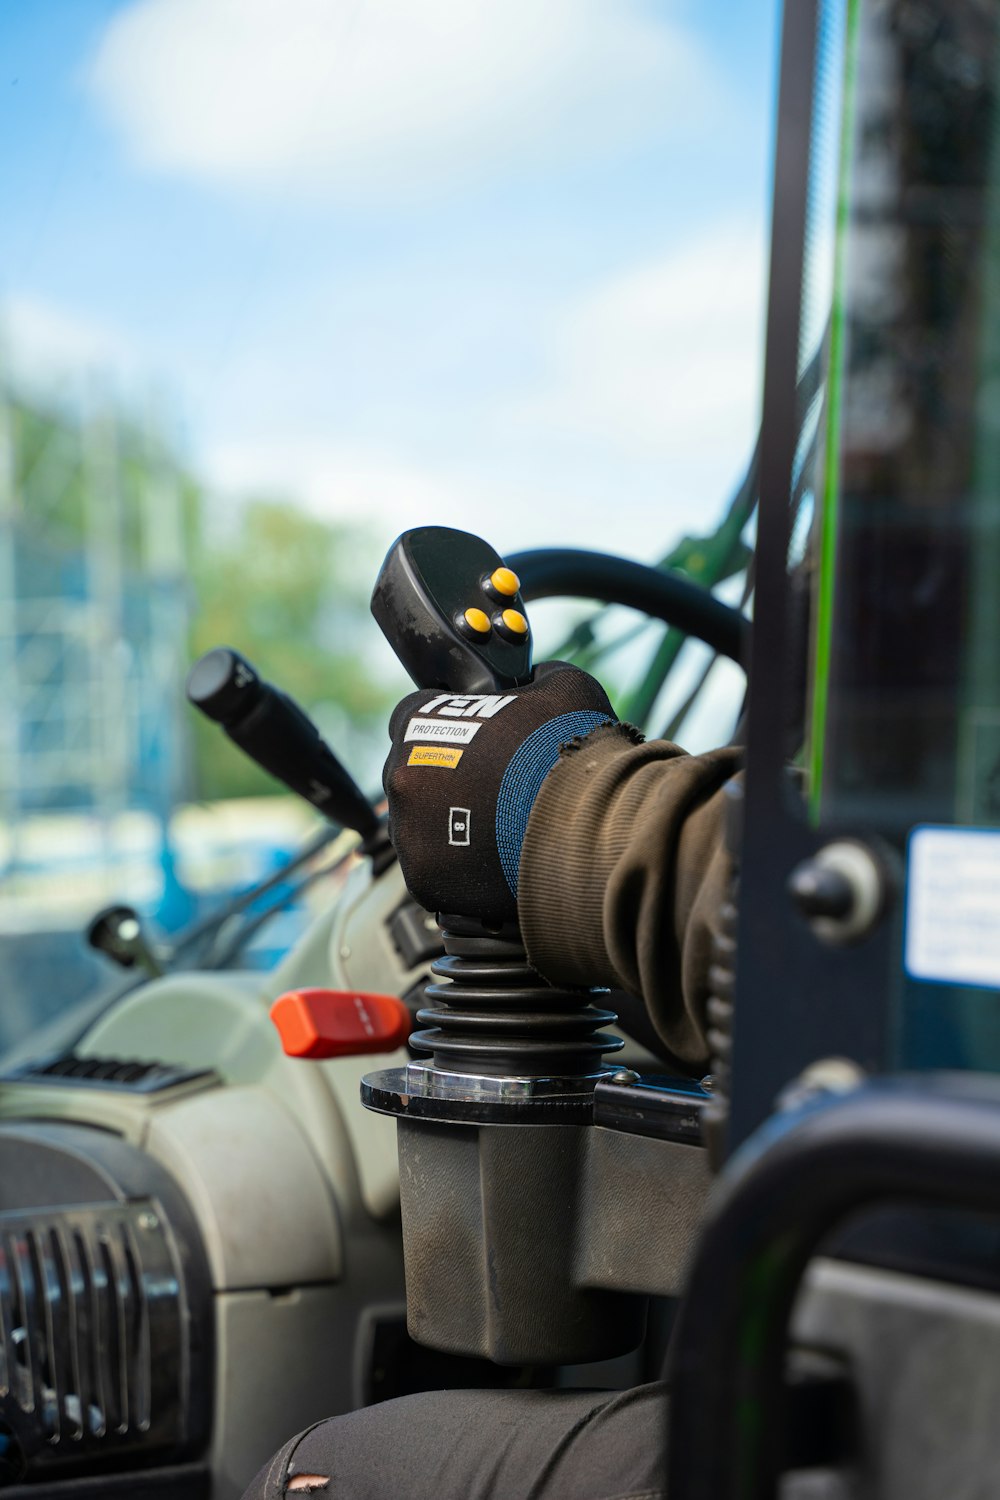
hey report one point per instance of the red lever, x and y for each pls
(339, 1023)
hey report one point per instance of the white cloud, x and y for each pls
(613, 509)
(373, 487)
(650, 402)
(648, 405)
(46, 344)
(334, 481)
(380, 98)
(666, 358)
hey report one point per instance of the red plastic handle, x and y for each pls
(339, 1023)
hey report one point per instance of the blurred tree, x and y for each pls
(290, 592)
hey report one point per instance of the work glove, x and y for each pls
(462, 776)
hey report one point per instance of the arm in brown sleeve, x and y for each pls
(623, 873)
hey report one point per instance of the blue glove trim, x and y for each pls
(528, 767)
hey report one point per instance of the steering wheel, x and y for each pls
(572, 573)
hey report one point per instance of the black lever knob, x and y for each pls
(841, 890)
(118, 932)
(223, 685)
(282, 739)
(453, 612)
(821, 892)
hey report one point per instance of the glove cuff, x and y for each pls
(522, 781)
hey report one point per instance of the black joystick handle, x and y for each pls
(275, 733)
(453, 613)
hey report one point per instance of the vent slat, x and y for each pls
(7, 1356)
(92, 1331)
(72, 1284)
(117, 1307)
(106, 1342)
(141, 1375)
(25, 1325)
(47, 1364)
(74, 1280)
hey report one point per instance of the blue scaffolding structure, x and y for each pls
(94, 604)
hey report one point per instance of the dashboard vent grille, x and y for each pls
(84, 1295)
(107, 1072)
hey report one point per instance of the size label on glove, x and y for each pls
(442, 731)
(430, 755)
(459, 819)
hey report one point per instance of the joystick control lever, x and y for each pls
(453, 612)
(510, 1054)
(282, 739)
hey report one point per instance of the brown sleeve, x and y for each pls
(623, 873)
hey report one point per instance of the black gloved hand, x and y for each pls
(461, 778)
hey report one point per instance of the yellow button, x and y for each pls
(515, 621)
(505, 582)
(479, 620)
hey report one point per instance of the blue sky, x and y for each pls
(493, 263)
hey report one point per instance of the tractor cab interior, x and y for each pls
(193, 1194)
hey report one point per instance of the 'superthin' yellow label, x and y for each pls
(435, 755)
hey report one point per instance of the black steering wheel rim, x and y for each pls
(575, 573)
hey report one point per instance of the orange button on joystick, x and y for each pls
(505, 581)
(512, 624)
(474, 622)
(339, 1023)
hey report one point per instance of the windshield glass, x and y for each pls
(906, 667)
(279, 280)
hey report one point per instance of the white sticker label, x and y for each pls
(459, 819)
(953, 906)
(440, 731)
